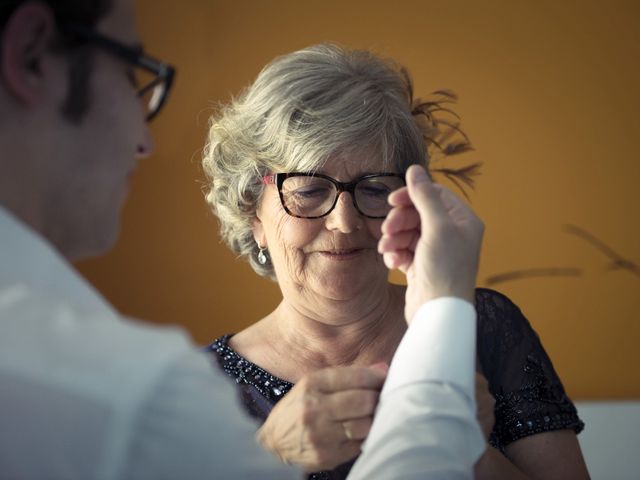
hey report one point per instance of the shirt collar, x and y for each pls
(28, 259)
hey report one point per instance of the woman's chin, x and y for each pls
(345, 288)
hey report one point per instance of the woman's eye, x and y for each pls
(311, 192)
(374, 190)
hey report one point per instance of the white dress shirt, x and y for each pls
(425, 426)
(86, 394)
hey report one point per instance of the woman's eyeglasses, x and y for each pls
(313, 195)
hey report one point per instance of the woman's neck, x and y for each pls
(334, 333)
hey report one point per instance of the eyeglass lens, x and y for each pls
(151, 90)
(308, 196)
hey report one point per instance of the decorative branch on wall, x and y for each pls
(618, 262)
(532, 273)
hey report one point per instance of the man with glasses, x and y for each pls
(87, 394)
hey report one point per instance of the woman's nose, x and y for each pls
(344, 217)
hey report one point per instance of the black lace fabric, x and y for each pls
(529, 395)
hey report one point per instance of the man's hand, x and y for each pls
(434, 238)
(324, 419)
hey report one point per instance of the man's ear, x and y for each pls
(26, 39)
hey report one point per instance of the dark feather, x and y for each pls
(457, 148)
(445, 110)
(442, 136)
(447, 93)
(464, 174)
(453, 126)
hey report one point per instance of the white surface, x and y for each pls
(610, 441)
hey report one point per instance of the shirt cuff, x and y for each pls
(439, 346)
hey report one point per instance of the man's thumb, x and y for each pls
(423, 193)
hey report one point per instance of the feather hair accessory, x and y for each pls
(443, 137)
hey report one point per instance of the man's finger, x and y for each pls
(399, 198)
(391, 260)
(401, 218)
(398, 241)
(425, 197)
(400, 260)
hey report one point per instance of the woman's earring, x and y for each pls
(262, 256)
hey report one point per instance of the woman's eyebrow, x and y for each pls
(360, 174)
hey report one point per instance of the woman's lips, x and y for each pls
(342, 255)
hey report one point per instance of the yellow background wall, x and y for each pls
(549, 96)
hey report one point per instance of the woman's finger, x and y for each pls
(336, 379)
(350, 404)
(356, 429)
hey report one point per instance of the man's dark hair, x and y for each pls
(78, 12)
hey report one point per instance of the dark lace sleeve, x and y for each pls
(529, 395)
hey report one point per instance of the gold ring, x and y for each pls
(347, 431)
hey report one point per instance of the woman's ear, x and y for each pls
(26, 39)
(258, 233)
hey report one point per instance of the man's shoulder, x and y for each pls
(92, 351)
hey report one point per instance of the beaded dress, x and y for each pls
(529, 395)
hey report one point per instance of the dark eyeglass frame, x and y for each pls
(164, 73)
(350, 187)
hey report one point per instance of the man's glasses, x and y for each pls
(313, 195)
(152, 77)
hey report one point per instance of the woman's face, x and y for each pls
(330, 258)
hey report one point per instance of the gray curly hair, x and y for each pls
(304, 108)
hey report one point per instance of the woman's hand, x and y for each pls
(324, 419)
(485, 405)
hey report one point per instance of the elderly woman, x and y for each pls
(301, 165)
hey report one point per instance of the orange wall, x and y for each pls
(549, 95)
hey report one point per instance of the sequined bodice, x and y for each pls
(529, 395)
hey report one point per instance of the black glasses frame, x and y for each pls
(350, 187)
(163, 72)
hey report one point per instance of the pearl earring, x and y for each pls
(262, 256)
